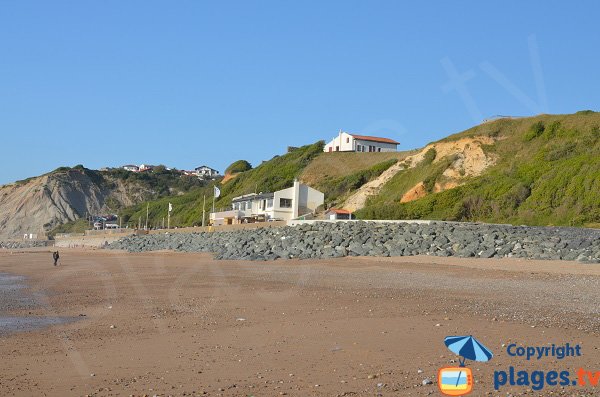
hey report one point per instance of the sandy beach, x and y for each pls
(180, 324)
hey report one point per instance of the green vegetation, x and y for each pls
(276, 174)
(238, 166)
(187, 210)
(78, 226)
(429, 156)
(160, 181)
(548, 173)
(338, 189)
(534, 131)
(335, 165)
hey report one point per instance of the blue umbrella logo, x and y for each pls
(468, 348)
(458, 381)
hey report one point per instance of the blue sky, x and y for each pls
(186, 83)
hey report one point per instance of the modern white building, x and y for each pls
(291, 203)
(205, 172)
(346, 142)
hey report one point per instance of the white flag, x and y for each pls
(170, 207)
(217, 192)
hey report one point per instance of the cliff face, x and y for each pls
(41, 203)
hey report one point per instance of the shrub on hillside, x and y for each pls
(429, 156)
(534, 131)
(238, 166)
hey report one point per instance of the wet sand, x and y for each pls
(184, 324)
(15, 296)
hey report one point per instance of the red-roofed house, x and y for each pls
(335, 214)
(346, 142)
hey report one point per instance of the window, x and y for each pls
(248, 205)
(358, 148)
(347, 140)
(270, 203)
(379, 149)
(285, 203)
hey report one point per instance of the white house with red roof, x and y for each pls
(335, 214)
(346, 142)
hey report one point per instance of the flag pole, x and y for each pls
(216, 193)
(203, 210)
(213, 207)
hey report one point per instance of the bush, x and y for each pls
(534, 131)
(429, 156)
(238, 166)
(560, 151)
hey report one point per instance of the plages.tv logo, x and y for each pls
(458, 381)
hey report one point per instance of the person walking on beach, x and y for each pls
(56, 257)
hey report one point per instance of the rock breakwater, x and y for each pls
(330, 240)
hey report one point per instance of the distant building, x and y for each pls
(291, 203)
(131, 167)
(146, 167)
(205, 172)
(346, 142)
(339, 214)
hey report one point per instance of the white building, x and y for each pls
(291, 203)
(346, 142)
(206, 172)
(131, 167)
(339, 214)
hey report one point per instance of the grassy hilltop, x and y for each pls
(547, 173)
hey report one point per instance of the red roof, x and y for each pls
(339, 211)
(375, 139)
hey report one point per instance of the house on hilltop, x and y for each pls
(346, 142)
(131, 167)
(146, 167)
(291, 203)
(205, 172)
